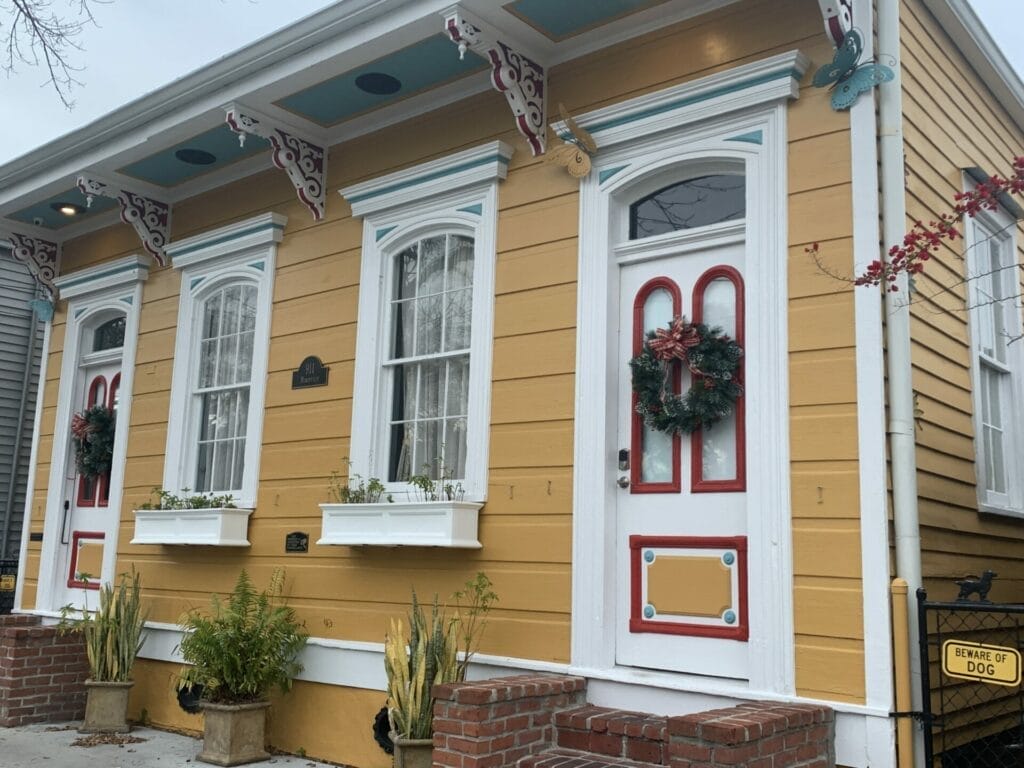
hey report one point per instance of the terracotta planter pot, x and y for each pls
(233, 733)
(106, 708)
(413, 753)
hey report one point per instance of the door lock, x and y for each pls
(623, 459)
(622, 482)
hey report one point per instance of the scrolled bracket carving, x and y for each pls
(151, 219)
(513, 73)
(838, 18)
(304, 161)
(39, 255)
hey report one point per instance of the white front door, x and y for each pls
(681, 502)
(88, 521)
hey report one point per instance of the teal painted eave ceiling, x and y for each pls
(424, 65)
(565, 18)
(165, 169)
(42, 214)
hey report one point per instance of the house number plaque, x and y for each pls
(312, 373)
(296, 541)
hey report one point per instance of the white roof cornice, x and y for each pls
(963, 25)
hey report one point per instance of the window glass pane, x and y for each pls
(109, 335)
(247, 318)
(657, 310)
(718, 450)
(720, 305)
(455, 447)
(207, 362)
(458, 386)
(403, 321)
(431, 275)
(692, 203)
(457, 313)
(656, 458)
(211, 316)
(230, 312)
(428, 325)
(431, 396)
(460, 261)
(226, 361)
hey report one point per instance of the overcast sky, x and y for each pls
(140, 45)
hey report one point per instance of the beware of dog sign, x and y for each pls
(994, 664)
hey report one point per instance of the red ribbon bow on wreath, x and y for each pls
(675, 342)
(81, 427)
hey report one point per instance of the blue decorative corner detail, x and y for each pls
(79, 312)
(649, 556)
(477, 209)
(383, 231)
(129, 300)
(728, 558)
(607, 173)
(649, 611)
(260, 265)
(43, 309)
(195, 281)
(729, 617)
(754, 137)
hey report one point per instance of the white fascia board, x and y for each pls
(130, 269)
(976, 44)
(331, 32)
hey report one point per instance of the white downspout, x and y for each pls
(902, 443)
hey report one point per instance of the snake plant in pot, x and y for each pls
(245, 646)
(435, 650)
(113, 637)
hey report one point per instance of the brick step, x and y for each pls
(613, 733)
(572, 758)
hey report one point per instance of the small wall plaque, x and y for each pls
(35, 536)
(312, 373)
(296, 541)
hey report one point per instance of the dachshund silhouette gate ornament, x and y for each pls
(973, 701)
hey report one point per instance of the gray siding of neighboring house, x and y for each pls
(21, 341)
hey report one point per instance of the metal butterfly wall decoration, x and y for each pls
(575, 154)
(847, 76)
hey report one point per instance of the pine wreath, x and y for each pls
(92, 433)
(713, 359)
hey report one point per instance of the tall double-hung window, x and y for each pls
(220, 358)
(423, 354)
(994, 309)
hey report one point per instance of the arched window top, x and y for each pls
(696, 202)
(109, 335)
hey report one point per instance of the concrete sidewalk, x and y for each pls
(50, 746)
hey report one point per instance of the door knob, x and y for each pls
(622, 482)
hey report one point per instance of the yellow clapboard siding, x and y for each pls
(313, 276)
(819, 161)
(819, 215)
(333, 344)
(810, 278)
(830, 612)
(816, 323)
(817, 549)
(308, 313)
(529, 491)
(823, 432)
(829, 672)
(156, 346)
(532, 444)
(536, 266)
(538, 223)
(547, 398)
(537, 354)
(319, 421)
(280, 392)
(825, 489)
(819, 378)
(542, 309)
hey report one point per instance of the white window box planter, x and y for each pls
(218, 527)
(409, 524)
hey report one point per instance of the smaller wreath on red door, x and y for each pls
(711, 357)
(92, 434)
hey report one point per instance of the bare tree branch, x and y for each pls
(37, 35)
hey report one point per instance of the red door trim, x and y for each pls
(636, 451)
(739, 483)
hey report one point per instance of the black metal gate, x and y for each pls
(970, 723)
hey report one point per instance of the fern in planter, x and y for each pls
(246, 646)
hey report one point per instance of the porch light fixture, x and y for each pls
(68, 209)
(378, 83)
(195, 156)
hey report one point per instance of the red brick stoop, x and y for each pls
(42, 673)
(543, 721)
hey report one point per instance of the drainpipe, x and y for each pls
(19, 433)
(902, 443)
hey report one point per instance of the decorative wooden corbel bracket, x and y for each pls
(838, 17)
(513, 73)
(150, 218)
(41, 256)
(304, 161)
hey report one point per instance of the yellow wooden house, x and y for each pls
(370, 244)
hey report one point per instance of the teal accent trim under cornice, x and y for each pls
(687, 101)
(79, 312)
(129, 300)
(225, 239)
(430, 177)
(383, 232)
(105, 273)
(607, 173)
(258, 265)
(754, 137)
(476, 210)
(195, 281)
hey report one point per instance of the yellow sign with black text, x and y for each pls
(994, 664)
(7, 583)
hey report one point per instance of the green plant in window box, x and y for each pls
(188, 500)
(353, 489)
(443, 488)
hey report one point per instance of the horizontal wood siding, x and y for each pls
(526, 525)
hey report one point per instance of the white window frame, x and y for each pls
(242, 252)
(1000, 226)
(459, 195)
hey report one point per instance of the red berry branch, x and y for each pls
(923, 240)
